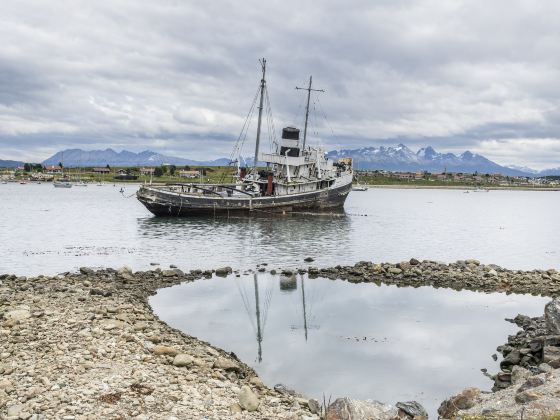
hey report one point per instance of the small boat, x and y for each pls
(358, 187)
(80, 184)
(62, 184)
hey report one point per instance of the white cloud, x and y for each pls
(459, 74)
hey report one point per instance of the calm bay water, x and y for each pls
(49, 230)
(364, 341)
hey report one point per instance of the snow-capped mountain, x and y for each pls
(401, 158)
(78, 157)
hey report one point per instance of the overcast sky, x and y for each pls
(178, 77)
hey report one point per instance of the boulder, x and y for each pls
(414, 261)
(248, 400)
(463, 401)
(513, 358)
(347, 409)
(183, 360)
(405, 265)
(412, 409)
(519, 374)
(394, 270)
(226, 364)
(532, 382)
(552, 316)
(86, 270)
(526, 396)
(223, 271)
(551, 353)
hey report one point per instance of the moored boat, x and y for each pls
(296, 178)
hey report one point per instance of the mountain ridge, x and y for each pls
(401, 158)
(392, 158)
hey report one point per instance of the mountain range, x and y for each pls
(398, 158)
(401, 158)
(78, 157)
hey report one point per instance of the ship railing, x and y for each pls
(206, 189)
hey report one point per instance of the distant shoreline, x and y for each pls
(457, 187)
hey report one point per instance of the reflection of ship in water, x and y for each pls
(279, 240)
(259, 315)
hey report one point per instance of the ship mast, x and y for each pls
(308, 89)
(263, 86)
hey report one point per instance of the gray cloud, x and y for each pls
(178, 77)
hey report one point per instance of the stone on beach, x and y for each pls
(248, 400)
(165, 351)
(223, 271)
(18, 315)
(183, 360)
(552, 316)
(462, 401)
(226, 364)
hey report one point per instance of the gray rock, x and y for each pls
(309, 259)
(550, 353)
(394, 270)
(226, 364)
(223, 271)
(519, 374)
(347, 409)
(532, 382)
(526, 396)
(552, 316)
(183, 360)
(175, 272)
(412, 408)
(86, 270)
(314, 406)
(247, 399)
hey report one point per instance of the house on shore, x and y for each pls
(52, 169)
(183, 173)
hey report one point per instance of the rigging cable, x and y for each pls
(243, 134)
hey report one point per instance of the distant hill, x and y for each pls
(78, 157)
(10, 163)
(401, 158)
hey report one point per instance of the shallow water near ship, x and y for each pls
(46, 230)
(334, 338)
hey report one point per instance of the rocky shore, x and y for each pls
(87, 345)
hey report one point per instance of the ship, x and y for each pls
(292, 178)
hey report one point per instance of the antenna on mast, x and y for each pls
(308, 89)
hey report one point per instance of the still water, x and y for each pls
(49, 230)
(335, 338)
